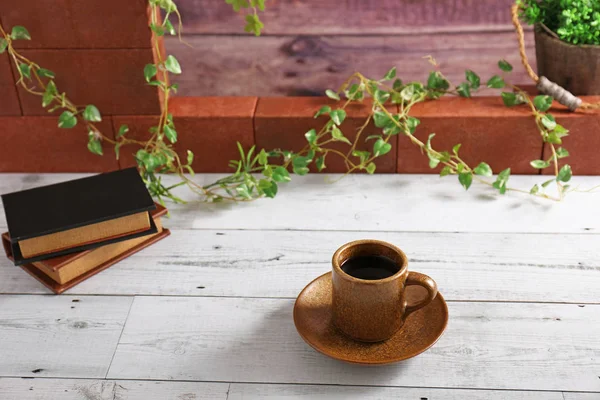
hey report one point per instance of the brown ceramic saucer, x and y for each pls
(312, 317)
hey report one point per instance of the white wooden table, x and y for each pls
(207, 313)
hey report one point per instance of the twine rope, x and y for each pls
(544, 85)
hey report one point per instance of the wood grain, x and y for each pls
(87, 389)
(581, 396)
(352, 16)
(59, 336)
(487, 345)
(324, 392)
(307, 65)
(400, 203)
(466, 266)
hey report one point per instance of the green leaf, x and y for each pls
(92, 114)
(332, 95)
(535, 189)
(150, 71)
(445, 171)
(172, 65)
(505, 66)
(95, 146)
(269, 188)
(437, 81)
(281, 174)
(553, 138)
(473, 79)
(501, 181)
(380, 119)
(260, 4)
(391, 74)
(483, 169)
(169, 27)
(456, 148)
(243, 191)
(253, 24)
(561, 131)
(542, 103)
(362, 155)
(397, 84)
(337, 116)
(25, 70)
(412, 123)
(238, 4)
(323, 110)
(407, 93)
(156, 83)
(19, 32)
(337, 135)
(509, 99)
(67, 120)
(170, 133)
(549, 122)
(3, 45)
(45, 73)
(263, 157)
(123, 129)
(381, 147)
(49, 93)
(190, 157)
(371, 168)
(381, 96)
(539, 164)
(464, 90)
(495, 82)
(545, 184)
(311, 136)
(320, 163)
(562, 152)
(465, 179)
(301, 170)
(565, 174)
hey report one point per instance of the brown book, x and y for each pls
(88, 234)
(62, 273)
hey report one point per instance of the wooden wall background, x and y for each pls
(311, 45)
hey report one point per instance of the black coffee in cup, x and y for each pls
(370, 268)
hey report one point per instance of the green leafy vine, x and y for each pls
(258, 173)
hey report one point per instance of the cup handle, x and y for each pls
(415, 278)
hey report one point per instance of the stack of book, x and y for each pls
(65, 233)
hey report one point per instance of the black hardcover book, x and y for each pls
(78, 215)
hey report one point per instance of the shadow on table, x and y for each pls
(275, 352)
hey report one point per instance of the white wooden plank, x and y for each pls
(466, 266)
(326, 392)
(87, 389)
(422, 203)
(487, 345)
(581, 396)
(59, 336)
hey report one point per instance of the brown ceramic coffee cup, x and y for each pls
(374, 310)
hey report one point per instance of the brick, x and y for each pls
(89, 24)
(583, 141)
(9, 102)
(208, 126)
(36, 144)
(281, 122)
(488, 131)
(112, 80)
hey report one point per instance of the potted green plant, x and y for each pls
(567, 41)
